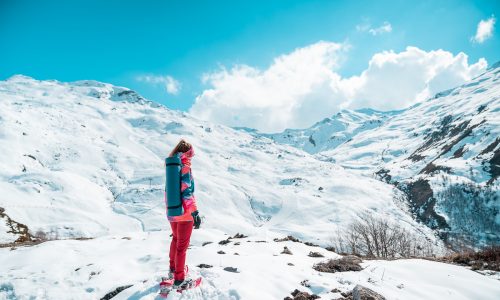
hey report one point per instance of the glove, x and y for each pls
(196, 219)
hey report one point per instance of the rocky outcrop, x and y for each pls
(344, 264)
(363, 293)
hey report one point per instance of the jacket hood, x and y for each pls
(186, 156)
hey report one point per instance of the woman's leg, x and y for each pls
(173, 245)
(184, 230)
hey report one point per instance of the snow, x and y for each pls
(451, 131)
(331, 132)
(93, 165)
(89, 269)
(85, 160)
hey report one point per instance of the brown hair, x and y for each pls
(182, 146)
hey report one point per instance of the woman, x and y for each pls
(182, 225)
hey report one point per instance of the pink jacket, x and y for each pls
(187, 188)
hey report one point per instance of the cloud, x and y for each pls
(304, 86)
(398, 80)
(172, 85)
(484, 30)
(386, 27)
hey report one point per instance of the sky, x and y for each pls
(268, 65)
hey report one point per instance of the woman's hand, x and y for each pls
(196, 219)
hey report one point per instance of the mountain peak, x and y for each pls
(20, 78)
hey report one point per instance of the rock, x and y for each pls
(353, 259)
(221, 252)
(115, 292)
(298, 295)
(330, 248)
(311, 244)
(239, 236)
(305, 283)
(363, 293)
(206, 243)
(286, 251)
(315, 254)
(231, 269)
(226, 241)
(347, 263)
(346, 294)
(204, 266)
(288, 238)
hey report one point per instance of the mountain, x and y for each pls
(332, 132)
(85, 159)
(443, 153)
(82, 172)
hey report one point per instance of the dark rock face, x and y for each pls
(312, 141)
(431, 168)
(422, 202)
(490, 147)
(362, 293)
(494, 169)
(384, 175)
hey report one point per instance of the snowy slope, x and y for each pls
(85, 160)
(444, 153)
(332, 132)
(91, 269)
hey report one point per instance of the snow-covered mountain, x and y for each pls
(85, 159)
(82, 163)
(332, 132)
(443, 153)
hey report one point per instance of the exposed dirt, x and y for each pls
(16, 228)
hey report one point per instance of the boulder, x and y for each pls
(363, 293)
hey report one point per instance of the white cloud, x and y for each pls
(398, 80)
(484, 30)
(386, 27)
(172, 85)
(303, 87)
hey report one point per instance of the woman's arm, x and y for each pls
(187, 183)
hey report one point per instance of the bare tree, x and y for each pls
(377, 237)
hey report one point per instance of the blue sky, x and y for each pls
(120, 41)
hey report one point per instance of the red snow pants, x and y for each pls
(181, 232)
